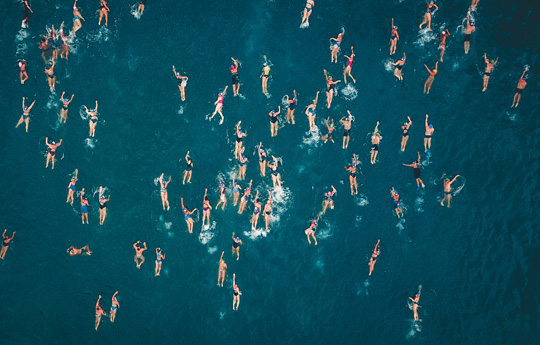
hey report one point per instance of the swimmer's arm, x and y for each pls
(375, 250)
(410, 121)
(63, 93)
(182, 202)
(523, 75)
(187, 156)
(169, 179)
(279, 110)
(317, 97)
(454, 179)
(31, 105)
(71, 99)
(135, 245)
(233, 280)
(76, 173)
(221, 258)
(392, 23)
(334, 191)
(23, 102)
(145, 247)
(427, 122)
(376, 127)
(47, 141)
(97, 303)
(96, 106)
(205, 192)
(404, 57)
(235, 62)
(174, 70)
(408, 165)
(225, 89)
(427, 68)
(294, 93)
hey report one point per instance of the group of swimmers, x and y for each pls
(58, 43)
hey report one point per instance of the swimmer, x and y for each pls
(397, 203)
(236, 294)
(290, 110)
(394, 37)
(427, 135)
(187, 216)
(23, 75)
(222, 270)
(65, 104)
(399, 66)
(274, 124)
(329, 89)
(375, 141)
(51, 78)
(139, 253)
(242, 161)
(45, 47)
(307, 13)
(206, 208)
(182, 81)
(26, 12)
(489, 68)
(265, 74)
(237, 242)
(336, 46)
(268, 210)
(77, 16)
(416, 168)
(140, 7)
(72, 187)
(72, 251)
(245, 198)
(114, 306)
(256, 211)
(25, 117)
(431, 78)
(352, 175)
(405, 135)
(348, 68)
(431, 9)
(6, 241)
(103, 12)
(236, 191)
(55, 43)
(415, 301)
(311, 230)
(469, 29)
(189, 168)
(330, 126)
(219, 105)
(262, 159)
(92, 114)
(65, 40)
(240, 135)
(328, 202)
(519, 89)
(442, 47)
(276, 177)
(373, 258)
(52, 152)
(84, 207)
(311, 113)
(99, 313)
(235, 77)
(159, 258)
(222, 196)
(163, 192)
(346, 122)
(102, 205)
(448, 190)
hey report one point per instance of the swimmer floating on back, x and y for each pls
(352, 175)
(25, 117)
(84, 207)
(139, 253)
(222, 270)
(103, 12)
(159, 260)
(405, 134)
(23, 75)
(329, 88)
(307, 13)
(469, 29)
(235, 77)
(336, 46)
(72, 251)
(447, 185)
(427, 135)
(219, 105)
(93, 119)
(65, 104)
(311, 113)
(311, 230)
(265, 74)
(373, 258)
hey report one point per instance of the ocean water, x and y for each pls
(477, 262)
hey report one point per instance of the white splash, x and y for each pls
(349, 92)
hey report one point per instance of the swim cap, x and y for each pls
(431, 126)
(65, 100)
(378, 134)
(221, 184)
(447, 179)
(25, 107)
(53, 143)
(405, 123)
(240, 131)
(472, 22)
(347, 118)
(331, 125)
(403, 58)
(221, 93)
(238, 238)
(92, 110)
(316, 222)
(20, 64)
(492, 61)
(435, 70)
(395, 27)
(232, 66)
(273, 111)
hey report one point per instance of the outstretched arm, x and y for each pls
(375, 250)
(234, 279)
(427, 68)
(97, 303)
(376, 127)
(392, 23)
(96, 106)
(427, 126)
(454, 179)
(221, 258)
(418, 156)
(525, 71)
(316, 97)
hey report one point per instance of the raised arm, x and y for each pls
(145, 247)
(82, 194)
(523, 74)
(375, 249)
(31, 105)
(410, 121)
(279, 110)
(316, 97)
(63, 93)
(376, 127)
(96, 106)
(294, 93)
(392, 27)
(221, 258)
(235, 62)
(454, 179)
(47, 141)
(418, 156)
(427, 126)
(334, 191)
(233, 280)
(100, 191)
(427, 68)
(174, 70)
(97, 303)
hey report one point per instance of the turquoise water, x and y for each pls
(477, 261)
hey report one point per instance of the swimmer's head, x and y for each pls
(472, 22)
(492, 61)
(431, 126)
(20, 64)
(53, 143)
(273, 111)
(265, 64)
(331, 125)
(405, 123)
(65, 99)
(222, 184)
(446, 179)
(378, 134)
(92, 110)
(434, 71)
(25, 107)
(316, 222)
(403, 58)
(232, 66)
(395, 27)
(240, 131)
(221, 93)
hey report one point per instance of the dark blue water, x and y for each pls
(477, 262)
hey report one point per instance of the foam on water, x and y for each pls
(207, 233)
(255, 234)
(312, 138)
(212, 250)
(361, 199)
(133, 10)
(90, 143)
(349, 92)
(425, 36)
